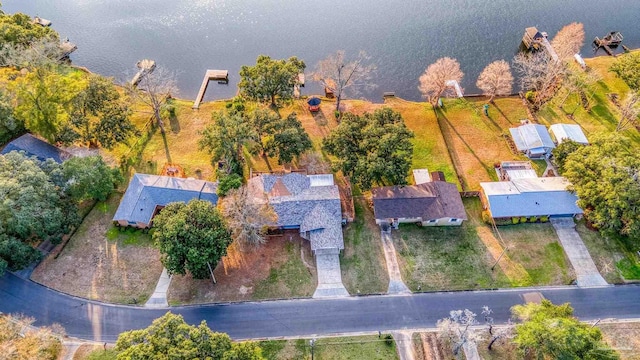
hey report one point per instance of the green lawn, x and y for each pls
(362, 261)
(342, 348)
(615, 256)
(445, 258)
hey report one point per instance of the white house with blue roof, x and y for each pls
(529, 197)
(148, 194)
(533, 140)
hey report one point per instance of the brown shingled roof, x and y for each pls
(432, 200)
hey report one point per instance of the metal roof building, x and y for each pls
(532, 139)
(527, 197)
(568, 131)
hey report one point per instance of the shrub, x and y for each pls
(533, 219)
(388, 339)
(486, 217)
(523, 219)
(515, 220)
(544, 219)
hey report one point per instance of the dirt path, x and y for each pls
(404, 344)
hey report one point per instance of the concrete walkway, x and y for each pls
(586, 271)
(404, 344)
(159, 297)
(329, 275)
(471, 351)
(396, 285)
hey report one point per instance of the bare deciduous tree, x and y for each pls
(496, 333)
(496, 79)
(153, 91)
(248, 217)
(342, 76)
(568, 41)
(457, 329)
(578, 81)
(433, 82)
(314, 163)
(629, 112)
(540, 74)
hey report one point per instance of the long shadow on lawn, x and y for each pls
(487, 168)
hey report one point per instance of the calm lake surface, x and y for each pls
(402, 37)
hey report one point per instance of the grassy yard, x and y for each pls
(354, 348)
(282, 268)
(611, 254)
(362, 261)
(475, 140)
(437, 258)
(101, 262)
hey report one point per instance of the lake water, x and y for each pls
(402, 37)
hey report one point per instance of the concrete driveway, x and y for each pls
(329, 275)
(586, 271)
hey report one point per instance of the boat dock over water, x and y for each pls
(611, 40)
(221, 76)
(40, 21)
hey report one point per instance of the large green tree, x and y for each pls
(224, 139)
(170, 337)
(627, 67)
(44, 99)
(289, 140)
(19, 29)
(373, 149)
(605, 179)
(192, 237)
(270, 80)
(9, 125)
(98, 115)
(551, 331)
(89, 178)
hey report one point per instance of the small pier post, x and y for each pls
(222, 76)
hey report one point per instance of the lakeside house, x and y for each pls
(307, 203)
(530, 198)
(431, 202)
(572, 132)
(32, 146)
(533, 140)
(148, 194)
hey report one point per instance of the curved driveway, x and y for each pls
(309, 317)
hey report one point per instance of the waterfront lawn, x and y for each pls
(362, 262)
(614, 256)
(475, 140)
(282, 268)
(603, 115)
(352, 347)
(102, 262)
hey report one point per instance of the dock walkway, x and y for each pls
(216, 75)
(146, 66)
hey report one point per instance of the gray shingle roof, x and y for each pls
(530, 197)
(146, 192)
(429, 201)
(314, 209)
(33, 146)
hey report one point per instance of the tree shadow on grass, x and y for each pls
(174, 123)
(166, 147)
(487, 168)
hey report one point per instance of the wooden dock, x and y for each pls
(537, 40)
(146, 67)
(612, 39)
(221, 76)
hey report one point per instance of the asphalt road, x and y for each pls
(103, 322)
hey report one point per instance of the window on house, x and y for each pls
(453, 220)
(432, 221)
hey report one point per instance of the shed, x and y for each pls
(533, 140)
(568, 131)
(421, 176)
